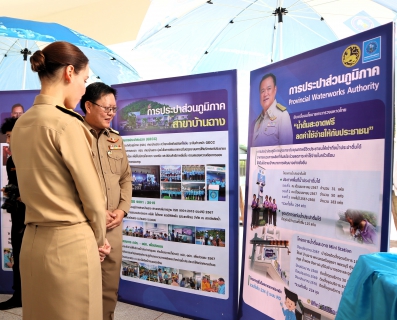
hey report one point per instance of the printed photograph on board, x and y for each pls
(148, 272)
(189, 279)
(155, 231)
(170, 173)
(170, 190)
(132, 228)
(145, 181)
(193, 173)
(357, 225)
(8, 258)
(213, 283)
(193, 191)
(168, 275)
(130, 268)
(182, 234)
(216, 182)
(210, 236)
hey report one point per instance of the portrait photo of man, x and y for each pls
(273, 126)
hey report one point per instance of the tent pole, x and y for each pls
(280, 34)
(275, 36)
(24, 69)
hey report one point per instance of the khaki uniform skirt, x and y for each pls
(60, 273)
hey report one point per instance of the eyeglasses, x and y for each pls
(106, 109)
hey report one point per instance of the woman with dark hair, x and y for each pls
(359, 226)
(58, 182)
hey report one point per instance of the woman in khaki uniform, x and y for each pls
(65, 206)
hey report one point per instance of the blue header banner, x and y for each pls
(189, 112)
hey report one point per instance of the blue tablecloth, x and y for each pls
(371, 291)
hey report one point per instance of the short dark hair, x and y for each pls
(8, 125)
(94, 92)
(268, 75)
(221, 279)
(17, 105)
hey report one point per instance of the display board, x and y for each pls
(319, 161)
(180, 238)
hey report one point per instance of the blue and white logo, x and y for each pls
(371, 50)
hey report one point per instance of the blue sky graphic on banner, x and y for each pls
(321, 134)
(198, 111)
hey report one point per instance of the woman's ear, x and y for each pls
(68, 73)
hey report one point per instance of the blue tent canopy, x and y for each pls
(21, 38)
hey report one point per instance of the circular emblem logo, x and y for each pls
(371, 47)
(361, 23)
(213, 194)
(351, 55)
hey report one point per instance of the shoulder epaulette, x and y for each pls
(114, 131)
(71, 113)
(281, 107)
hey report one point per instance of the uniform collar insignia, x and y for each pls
(112, 140)
(271, 115)
(114, 131)
(71, 112)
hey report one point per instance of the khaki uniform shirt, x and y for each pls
(57, 178)
(113, 168)
(273, 128)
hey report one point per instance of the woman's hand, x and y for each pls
(104, 250)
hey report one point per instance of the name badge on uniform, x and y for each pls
(271, 124)
(114, 147)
